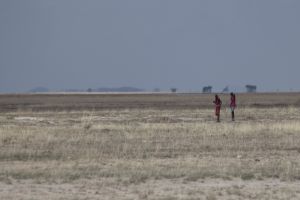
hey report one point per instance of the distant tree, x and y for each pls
(251, 88)
(173, 90)
(207, 89)
(89, 90)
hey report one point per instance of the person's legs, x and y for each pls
(218, 113)
(232, 113)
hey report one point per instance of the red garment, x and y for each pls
(232, 102)
(218, 104)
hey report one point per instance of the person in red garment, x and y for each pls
(232, 105)
(218, 104)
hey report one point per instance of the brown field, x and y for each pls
(149, 146)
(69, 102)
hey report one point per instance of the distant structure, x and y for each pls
(207, 89)
(173, 90)
(89, 90)
(251, 88)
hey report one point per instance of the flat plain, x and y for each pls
(149, 146)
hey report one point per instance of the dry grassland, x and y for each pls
(151, 153)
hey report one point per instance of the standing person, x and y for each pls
(232, 105)
(218, 104)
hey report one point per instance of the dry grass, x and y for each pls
(134, 150)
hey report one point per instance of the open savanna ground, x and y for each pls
(98, 101)
(133, 147)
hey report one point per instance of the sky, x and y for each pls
(187, 44)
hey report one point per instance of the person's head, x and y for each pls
(216, 96)
(231, 94)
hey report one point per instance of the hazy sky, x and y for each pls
(186, 44)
